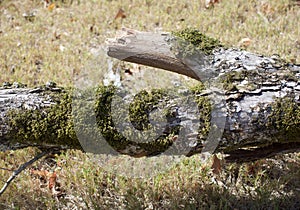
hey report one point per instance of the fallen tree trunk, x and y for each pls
(257, 115)
(261, 93)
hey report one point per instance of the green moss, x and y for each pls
(142, 105)
(290, 76)
(231, 79)
(53, 126)
(285, 117)
(205, 108)
(228, 80)
(139, 112)
(104, 118)
(193, 40)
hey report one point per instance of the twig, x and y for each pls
(6, 169)
(23, 167)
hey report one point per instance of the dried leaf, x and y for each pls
(211, 3)
(245, 42)
(266, 9)
(51, 7)
(41, 173)
(216, 165)
(293, 60)
(169, 10)
(52, 180)
(46, 175)
(120, 14)
(297, 3)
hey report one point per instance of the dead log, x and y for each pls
(257, 114)
(261, 93)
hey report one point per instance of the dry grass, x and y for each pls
(56, 45)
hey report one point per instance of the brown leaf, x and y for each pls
(120, 14)
(211, 3)
(216, 165)
(266, 9)
(52, 180)
(169, 10)
(297, 2)
(293, 60)
(47, 176)
(41, 173)
(245, 42)
(51, 7)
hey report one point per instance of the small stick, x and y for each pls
(21, 168)
(6, 169)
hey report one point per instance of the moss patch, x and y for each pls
(285, 117)
(53, 126)
(193, 40)
(142, 105)
(139, 116)
(229, 79)
(205, 108)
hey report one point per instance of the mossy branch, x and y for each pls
(261, 93)
(260, 106)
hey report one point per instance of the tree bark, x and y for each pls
(256, 114)
(262, 94)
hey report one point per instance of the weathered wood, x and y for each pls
(149, 49)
